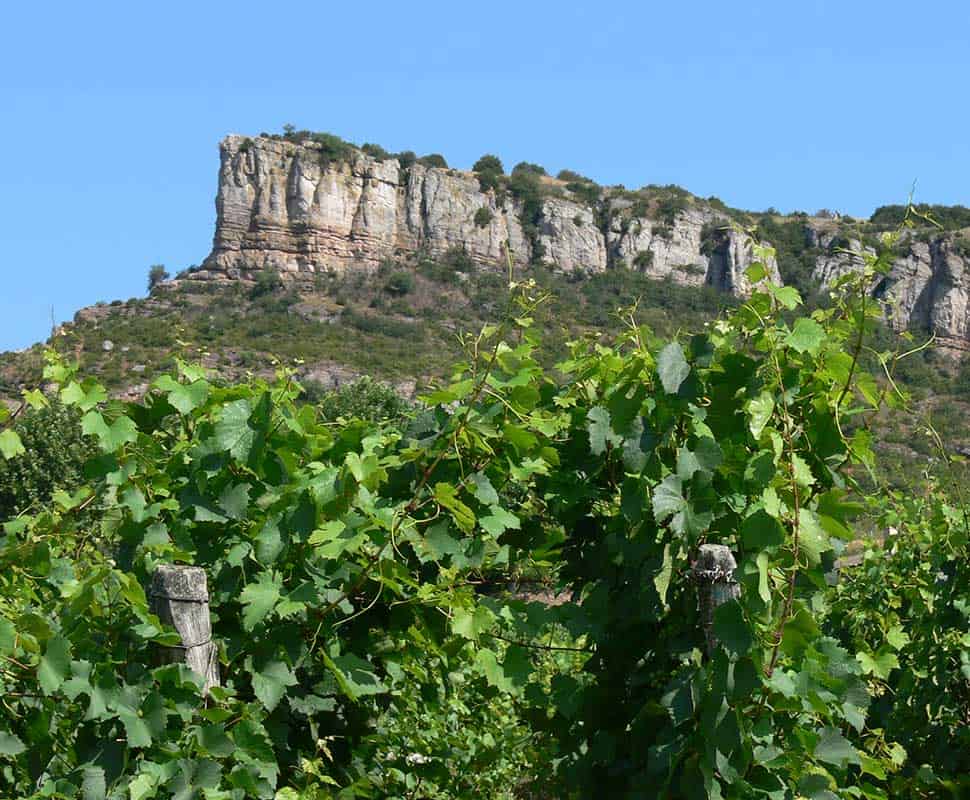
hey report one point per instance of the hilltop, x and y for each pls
(344, 261)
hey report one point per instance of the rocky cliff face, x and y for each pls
(281, 206)
(927, 289)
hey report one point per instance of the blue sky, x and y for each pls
(110, 113)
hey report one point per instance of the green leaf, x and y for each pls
(897, 637)
(54, 665)
(111, 437)
(258, 599)
(440, 543)
(487, 661)
(471, 623)
(8, 636)
(269, 542)
(879, 664)
(136, 730)
(447, 496)
(764, 588)
(184, 397)
(800, 631)
(807, 336)
(233, 432)
(788, 296)
(760, 531)
(10, 444)
(760, 409)
(668, 498)
(803, 473)
(756, 272)
(142, 786)
(661, 580)
(86, 397)
(834, 748)
(215, 741)
(93, 783)
(10, 745)
(327, 532)
(484, 491)
(355, 676)
(669, 503)
(600, 432)
(731, 628)
(270, 682)
(498, 521)
(234, 500)
(672, 367)
(812, 538)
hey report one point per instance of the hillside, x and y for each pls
(645, 525)
(345, 261)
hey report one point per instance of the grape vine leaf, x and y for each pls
(270, 682)
(233, 432)
(55, 665)
(10, 745)
(259, 598)
(732, 629)
(806, 336)
(10, 444)
(600, 432)
(672, 367)
(834, 748)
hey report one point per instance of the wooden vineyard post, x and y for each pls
(714, 574)
(179, 596)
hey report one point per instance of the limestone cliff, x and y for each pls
(282, 205)
(292, 207)
(928, 288)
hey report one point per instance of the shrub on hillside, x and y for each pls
(490, 171)
(364, 398)
(434, 160)
(399, 284)
(55, 457)
(156, 274)
(483, 217)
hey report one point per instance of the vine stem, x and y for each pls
(533, 646)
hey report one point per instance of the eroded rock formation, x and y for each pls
(282, 206)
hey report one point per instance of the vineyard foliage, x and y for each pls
(357, 573)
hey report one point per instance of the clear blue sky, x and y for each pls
(110, 113)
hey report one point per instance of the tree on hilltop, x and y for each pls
(156, 274)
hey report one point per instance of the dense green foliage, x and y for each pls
(353, 566)
(489, 171)
(483, 217)
(949, 218)
(156, 274)
(54, 452)
(907, 609)
(364, 399)
(796, 259)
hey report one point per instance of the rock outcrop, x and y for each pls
(283, 206)
(287, 206)
(927, 289)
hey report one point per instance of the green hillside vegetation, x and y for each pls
(401, 322)
(402, 326)
(358, 553)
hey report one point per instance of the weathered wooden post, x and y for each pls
(179, 596)
(714, 573)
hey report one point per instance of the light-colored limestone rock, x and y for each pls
(280, 206)
(570, 238)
